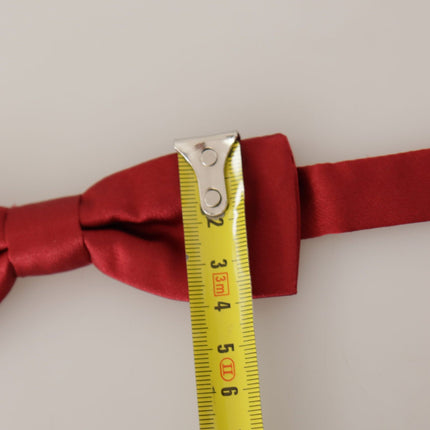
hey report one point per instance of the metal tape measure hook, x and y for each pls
(207, 156)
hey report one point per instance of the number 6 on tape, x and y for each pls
(219, 283)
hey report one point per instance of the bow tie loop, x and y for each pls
(129, 225)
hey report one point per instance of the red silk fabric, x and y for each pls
(365, 193)
(129, 224)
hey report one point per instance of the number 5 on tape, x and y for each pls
(213, 210)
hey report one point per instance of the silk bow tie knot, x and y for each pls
(43, 238)
(40, 238)
(129, 225)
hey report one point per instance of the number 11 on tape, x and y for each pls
(219, 283)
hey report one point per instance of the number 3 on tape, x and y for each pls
(219, 283)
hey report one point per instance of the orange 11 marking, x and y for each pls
(227, 369)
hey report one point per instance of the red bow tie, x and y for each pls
(130, 226)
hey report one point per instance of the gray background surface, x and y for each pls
(91, 87)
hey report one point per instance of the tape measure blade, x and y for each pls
(220, 295)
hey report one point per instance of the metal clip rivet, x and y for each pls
(212, 198)
(209, 157)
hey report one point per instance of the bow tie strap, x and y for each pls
(129, 225)
(365, 193)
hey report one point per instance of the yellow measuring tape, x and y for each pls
(219, 283)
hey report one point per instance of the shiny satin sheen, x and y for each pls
(129, 224)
